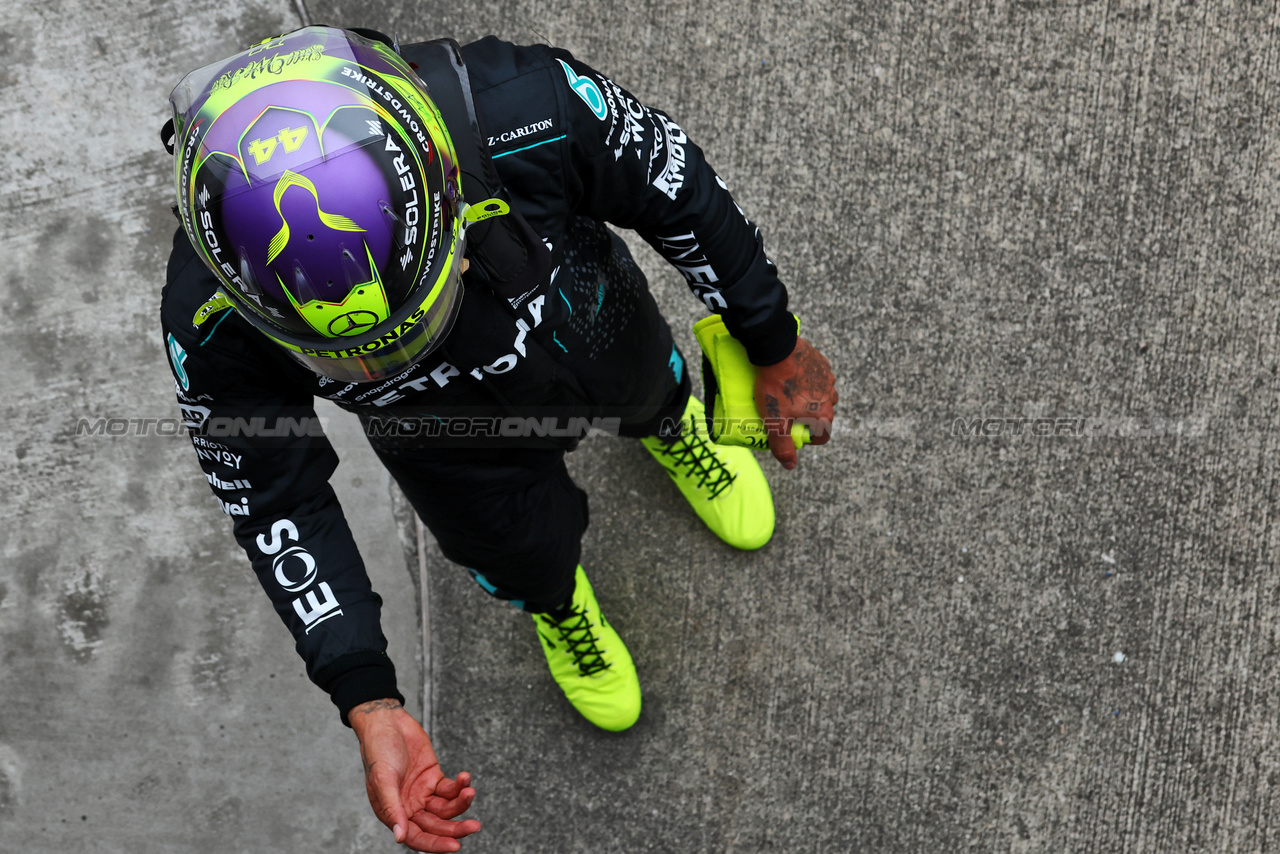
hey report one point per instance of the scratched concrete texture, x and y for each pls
(1025, 601)
(150, 701)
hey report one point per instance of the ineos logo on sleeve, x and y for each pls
(315, 605)
(275, 544)
(301, 557)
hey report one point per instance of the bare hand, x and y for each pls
(407, 790)
(801, 389)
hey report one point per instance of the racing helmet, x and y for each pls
(317, 181)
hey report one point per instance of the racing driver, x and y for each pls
(418, 234)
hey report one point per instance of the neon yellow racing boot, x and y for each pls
(723, 483)
(589, 661)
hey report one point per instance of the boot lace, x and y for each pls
(697, 457)
(584, 647)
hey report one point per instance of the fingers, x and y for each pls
(433, 834)
(450, 807)
(798, 390)
(819, 435)
(819, 426)
(420, 840)
(437, 826)
(449, 789)
(403, 776)
(439, 795)
(431, 827)
(783, 450)
(817, 423)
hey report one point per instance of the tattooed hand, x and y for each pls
(800, 389)
(407, 790)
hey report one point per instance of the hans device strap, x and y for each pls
(511, 257)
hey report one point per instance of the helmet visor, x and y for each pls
(369, 354)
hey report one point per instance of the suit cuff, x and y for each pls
(358, 678)
(770, 344)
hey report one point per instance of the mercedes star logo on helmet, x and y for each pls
(353, 323)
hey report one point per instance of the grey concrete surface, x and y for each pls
(998, 219)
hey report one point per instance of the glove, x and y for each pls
(728, 379)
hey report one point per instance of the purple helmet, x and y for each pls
(318, 182)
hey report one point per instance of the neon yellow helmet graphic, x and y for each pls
(334, 221)
(317, 181)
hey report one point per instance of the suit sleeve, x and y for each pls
(638, 169)
(267, 461)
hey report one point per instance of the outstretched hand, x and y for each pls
(801, 389)
(407, 790)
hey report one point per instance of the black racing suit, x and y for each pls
(575, 151)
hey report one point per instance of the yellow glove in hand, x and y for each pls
(728, 381)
